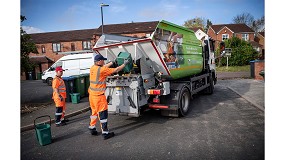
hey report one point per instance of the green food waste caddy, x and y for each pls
(121, 58)
(43, 131)
(75, 98)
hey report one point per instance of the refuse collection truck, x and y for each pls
(168, 68)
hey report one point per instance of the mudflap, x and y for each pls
(171, 101)
(169, 113)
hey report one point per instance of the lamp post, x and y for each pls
(103, 5)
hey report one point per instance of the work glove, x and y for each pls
(61, 98)
(126, 61)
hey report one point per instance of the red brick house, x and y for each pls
(242, 31)
(226, 31)
(53, 45)
(260, 39)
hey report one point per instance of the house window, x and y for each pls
(72, 47)
(245, 37)
(86, 45)
(56, 47)
(225, 36)
(43, 49)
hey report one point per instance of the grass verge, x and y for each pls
(233, 68)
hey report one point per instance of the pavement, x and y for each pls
(250, 89)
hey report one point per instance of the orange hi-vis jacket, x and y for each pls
(58, 83)
(98, 77)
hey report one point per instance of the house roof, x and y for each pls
(125, 28)
(40, 59)
(236, 28)
(195, 29)
(255, 44)
(262, 34)
(79, 35)
(62, 36)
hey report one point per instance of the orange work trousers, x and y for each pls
(59, 103)
(97, 104)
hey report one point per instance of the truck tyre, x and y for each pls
(49, 81)
(184, 101)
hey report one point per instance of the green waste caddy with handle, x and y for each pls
(75, 98)
(43, 131)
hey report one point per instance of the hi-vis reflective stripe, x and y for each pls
(58, 114)
(105, 132)
(103, 120)
(61, 87)
(60, 91)
(98, 82)
(97, 89)
(93, 117)
(98, 74)
(91, 127)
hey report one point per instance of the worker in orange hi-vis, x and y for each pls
(59, 96)
(97, 99)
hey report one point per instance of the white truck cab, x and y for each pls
(75, 64)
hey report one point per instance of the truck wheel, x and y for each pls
(184, 101)
(49, 81)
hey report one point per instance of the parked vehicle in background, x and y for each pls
(74, 64)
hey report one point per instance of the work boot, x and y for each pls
(109, 135)
(93, 132)
(61, 124)
(65, 120)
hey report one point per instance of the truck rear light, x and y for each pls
(154, 91)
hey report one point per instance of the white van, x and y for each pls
(75, 64)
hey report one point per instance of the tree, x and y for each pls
(256, 25)
(242, 52)
(195, 23)
(209, 23)
(27, 46)
(246, 18)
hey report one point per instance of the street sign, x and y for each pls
(228, 52)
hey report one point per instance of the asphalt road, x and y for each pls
(35, 91)
(219, 126)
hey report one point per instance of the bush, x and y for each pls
(242, 52)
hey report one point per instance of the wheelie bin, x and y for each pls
(69, 84)
(79, 84)
(87, 83)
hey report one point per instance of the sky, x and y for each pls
(64, 15)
